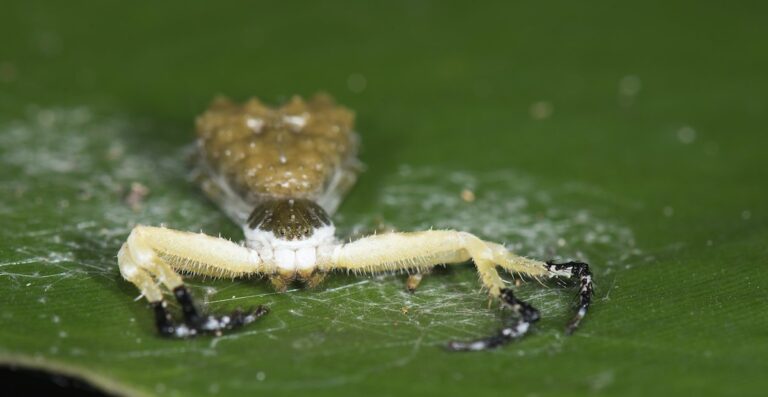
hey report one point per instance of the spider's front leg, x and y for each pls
(152, 255)
(422, 250)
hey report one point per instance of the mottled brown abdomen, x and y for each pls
(300, 150)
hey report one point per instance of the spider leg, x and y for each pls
(571, 270)
(580, 271)
(420, 251)
(526, 316)
(196, 323)
(152, 253)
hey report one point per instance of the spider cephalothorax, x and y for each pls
(290, 232)
(279, 173)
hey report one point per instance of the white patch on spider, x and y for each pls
(291, 255)
(255, 124)
(285, 258)
(519, 330)
(306, 258)
(212, 323)
(129, 271)
(479, 345)
(182, 331)
(553, 273)
(582, 312)
(296, 122)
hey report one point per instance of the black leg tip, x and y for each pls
(194, 323)
(456, 346)
(163, 319)
(238, 318)
(581, 272)
(527, 315)
(526, 311)
(255, 313)
(472, 346)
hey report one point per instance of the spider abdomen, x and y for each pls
(251, 152)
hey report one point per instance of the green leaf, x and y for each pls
(629, 138)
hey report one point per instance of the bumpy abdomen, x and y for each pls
(300, 150)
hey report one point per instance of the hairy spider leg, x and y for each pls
(421, 251)
(154, 253)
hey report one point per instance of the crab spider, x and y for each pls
(279, 173)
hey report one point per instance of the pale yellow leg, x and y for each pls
(138, 276)
(421, 251)
(154, 252)
(515, 264)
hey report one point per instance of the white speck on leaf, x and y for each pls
(356, 83)
(541, 110)
(686, 135)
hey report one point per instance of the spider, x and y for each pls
(280, 173)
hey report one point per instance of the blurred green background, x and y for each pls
(630, 135)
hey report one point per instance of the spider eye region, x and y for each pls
(290, 219)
